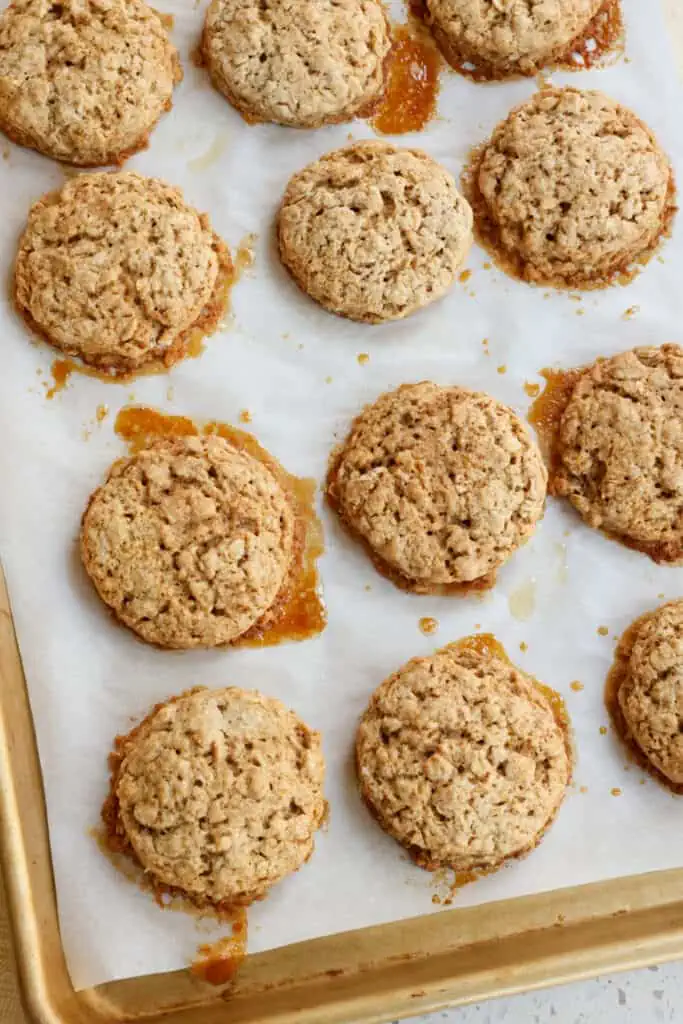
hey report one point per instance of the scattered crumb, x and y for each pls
(502, 369)
(603, 730)
(487, 266)
(245, 416)
(285, 336)
(532, 389)
(436, 899)
(428, 626)
(368, 587)
(363, 358)
(465, 276)
(523, 647)
(641, 782)
(583, 789)
(101, 412)
(576, 297)
(477, 625)
(576, 686)
(169, 393)
(131, 396)
(328, 380)
(629, 313)
(603, 631)
(580, 312)
(300, 345)
(616, 791)
(485, 343)
(660, 597)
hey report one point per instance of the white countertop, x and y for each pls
(641, 997)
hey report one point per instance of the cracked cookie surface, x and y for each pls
(219, 793)
(462, 760)
(571, 190)
(373, 232)
(442, 484)
(300, 63)
(117, 270)
(190, 542)
(619, 449)
(84, 81)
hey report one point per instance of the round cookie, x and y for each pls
(619, 450)
(651, 693)
(191, 543)
(373, 232)
(571, 190)
(301, 63)
(84, 81)
(503, 39)
(219, 794)
(461, 759)
(441, 483)
(117, 270)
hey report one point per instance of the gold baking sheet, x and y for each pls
(375, 974)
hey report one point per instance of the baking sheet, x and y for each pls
(295, 369)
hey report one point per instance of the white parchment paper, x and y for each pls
(295, 368)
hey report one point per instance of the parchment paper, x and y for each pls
(294, 367)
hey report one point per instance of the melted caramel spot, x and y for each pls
(139, 426)
(244, 257)
(61, 371)
(409, 102)
(219, 962)
(545, 415)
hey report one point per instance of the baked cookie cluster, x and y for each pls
(196, 543)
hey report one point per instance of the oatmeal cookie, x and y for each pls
(301, 63)
(441, 483)
(373, 232)
(219, 794)
(191, 543)
(84, 81)
(462, 760)
(619, 450)
(651, 692)
(571, 190)
(117, 270)
(510, 38)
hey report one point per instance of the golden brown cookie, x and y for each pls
(442, 484)
(461, 759)
(84, 81)
(373, 232)
(301, 63)
(651, 692)
(191, 543)
(509, 38)
(119, 271)
(571, 190)
(618, 454)
(217, 794)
